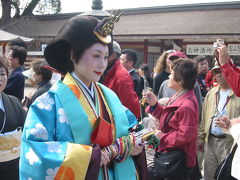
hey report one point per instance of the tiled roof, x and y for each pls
(184, 23)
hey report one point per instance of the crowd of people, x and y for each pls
(87, 123)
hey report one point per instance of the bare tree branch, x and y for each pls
(28, 11)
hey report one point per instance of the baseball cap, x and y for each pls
(176, 54)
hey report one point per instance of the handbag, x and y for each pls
(167, 164)
(171, 163)
(223, 172)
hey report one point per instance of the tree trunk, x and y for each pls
(6, 12)
(28, 11)
(17, 14)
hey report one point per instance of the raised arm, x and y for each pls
(229, 70)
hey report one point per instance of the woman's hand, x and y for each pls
(150, 98)
(137, 149)
(158, 133)
(105, 159)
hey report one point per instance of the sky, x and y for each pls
(69, 6)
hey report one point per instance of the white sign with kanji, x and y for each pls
(199, 49)
(207, 49)
(234, 49)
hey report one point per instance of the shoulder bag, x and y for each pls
(171, 163)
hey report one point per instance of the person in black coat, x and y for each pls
(41, 77)
(12, 117)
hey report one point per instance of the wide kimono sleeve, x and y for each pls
(48, 150)
(131, 117)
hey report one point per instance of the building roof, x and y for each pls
(183, 24)
(36, 27)
(206, 20)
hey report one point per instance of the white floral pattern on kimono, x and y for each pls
(42, 154)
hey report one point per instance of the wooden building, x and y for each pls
(191, 28)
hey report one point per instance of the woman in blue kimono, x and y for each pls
(79, 129)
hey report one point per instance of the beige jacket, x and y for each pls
(208, 109)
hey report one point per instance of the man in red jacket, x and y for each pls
(118, 79)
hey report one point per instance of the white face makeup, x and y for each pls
(92, 63)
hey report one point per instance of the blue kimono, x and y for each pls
(56, 138)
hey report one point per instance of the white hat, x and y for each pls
(116, 47)
(28, 73)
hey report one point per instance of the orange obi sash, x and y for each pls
(102, 134)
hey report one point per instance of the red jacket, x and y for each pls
(119, 80)
(232, 75)
(182, 129)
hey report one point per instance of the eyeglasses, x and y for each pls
(170, 51)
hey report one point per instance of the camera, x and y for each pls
(215, 119)
(218, 43)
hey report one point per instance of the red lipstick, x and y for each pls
(98, 73)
